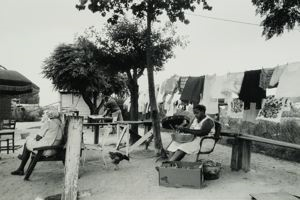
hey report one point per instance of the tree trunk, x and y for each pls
(154, 111)
(134, 98)
(92, 106)
(134, 108)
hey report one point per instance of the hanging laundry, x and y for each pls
(192, 90)
(218, 87)
(251, 114)
(273, 108)
(250, 90)
(289, 81)
(265, 78)
(161, 93)
(167, 103)
(210, 103)
(276, 75)
(174, 104)
(181, 83)
(233, 83)
(235, 108)
(171, 84)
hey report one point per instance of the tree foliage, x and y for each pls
(174, 9)
(279, 15)
(125, 42)
(82, 67)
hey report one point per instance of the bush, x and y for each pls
(287, 131)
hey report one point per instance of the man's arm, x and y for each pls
(206, 128)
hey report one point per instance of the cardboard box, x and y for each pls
(181, 174)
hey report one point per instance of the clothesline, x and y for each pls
(249, 87)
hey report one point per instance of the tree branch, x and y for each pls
(140, 73)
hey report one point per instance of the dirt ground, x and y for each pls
(138, 178)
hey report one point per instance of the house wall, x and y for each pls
(74, 101)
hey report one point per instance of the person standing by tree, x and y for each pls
(112, 109)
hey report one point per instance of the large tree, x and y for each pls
(149, 10)
(82, 67)
(279, 15)
(126, 43)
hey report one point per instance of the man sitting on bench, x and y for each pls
(202, 125)
(50, 134)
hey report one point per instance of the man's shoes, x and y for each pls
(18, 172)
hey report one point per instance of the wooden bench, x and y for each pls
(241, 148)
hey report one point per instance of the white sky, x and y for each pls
(30, 30)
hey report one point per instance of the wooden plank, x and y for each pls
(246, 155)
(122, 135)
(72, 158)
(141, 140)
(273, 196)
(229, 133)
(269, 141)
(146, 122)
(99, 124)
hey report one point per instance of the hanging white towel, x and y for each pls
(289, 81)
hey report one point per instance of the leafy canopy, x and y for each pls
(126, 44)
(173, 8)
(82, 67)
(278, 15)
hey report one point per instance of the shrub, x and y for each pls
(287, 131)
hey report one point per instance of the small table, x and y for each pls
(97, 121)
(97, 126)
(125, 132)
(7, 132)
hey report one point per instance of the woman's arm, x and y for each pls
(206, 128)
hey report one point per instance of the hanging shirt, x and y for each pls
(276, 75)
(161, 92)
(218, 87)
(171, 84)
(181, 83)
(265, 78)
(192, 90)
(210, 103)
(289, 81)
(233, 83)
(250, 90)
(173, 102)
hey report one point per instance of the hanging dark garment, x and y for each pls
(250, 90)
(192, 90)
(181, 83)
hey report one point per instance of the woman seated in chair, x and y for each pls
(202, 125)
(50, 134)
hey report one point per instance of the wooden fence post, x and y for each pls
(246, 155)
(236, 155)
(72, 157)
